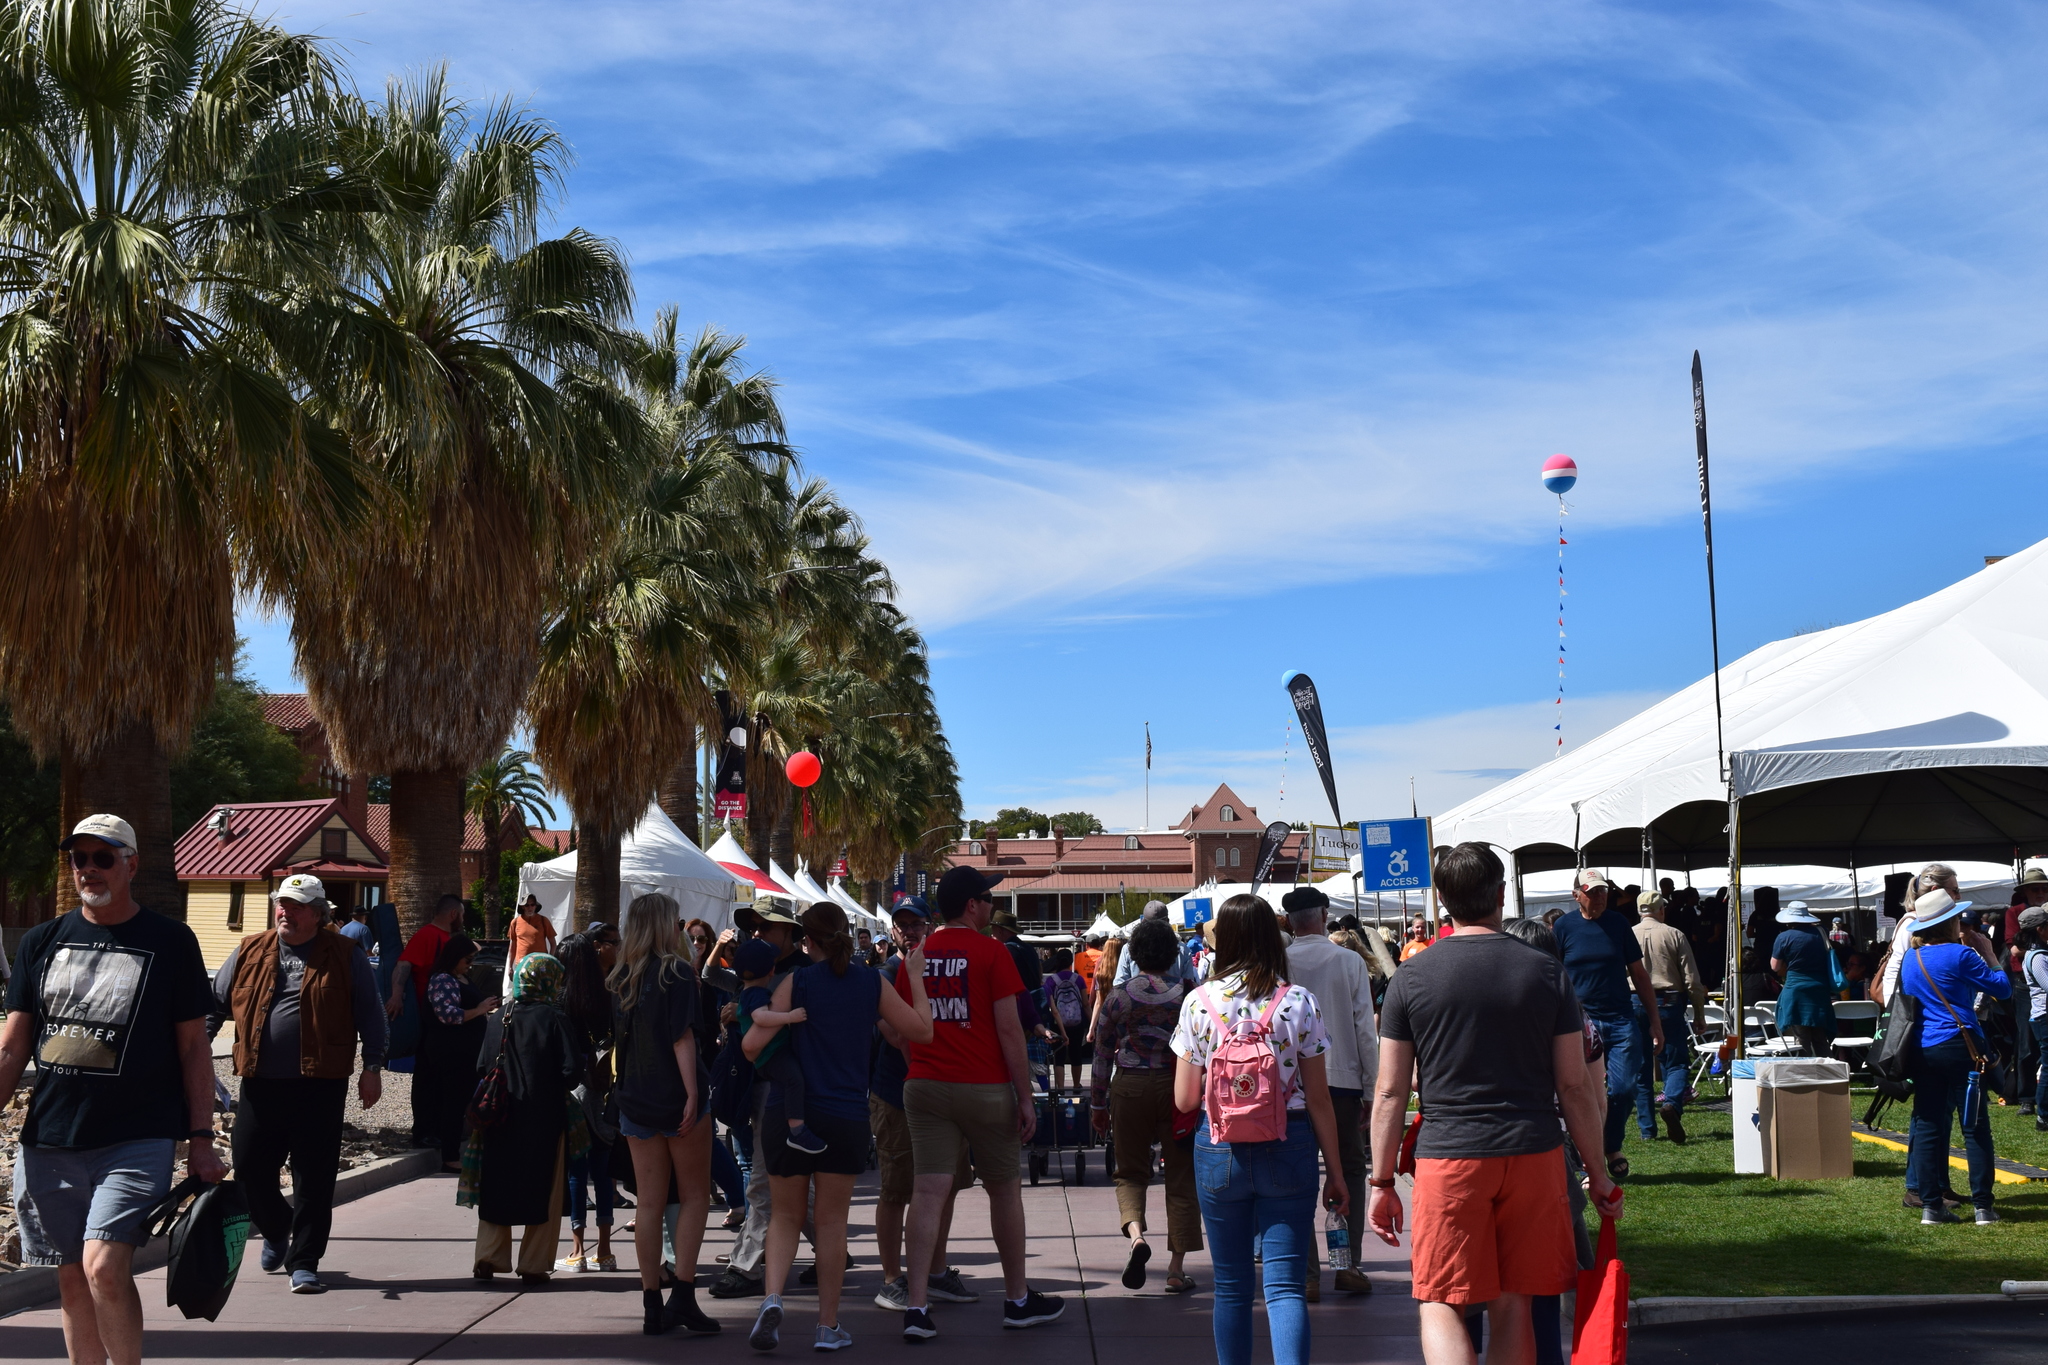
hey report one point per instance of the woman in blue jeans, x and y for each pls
(1259, 1194)
(1944, 974)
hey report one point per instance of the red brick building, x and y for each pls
(1062, 882)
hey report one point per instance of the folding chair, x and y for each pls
(1706, 1042)
(1760, 1032)
(1856, 1024)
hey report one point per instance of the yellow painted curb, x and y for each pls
(2002, 1177)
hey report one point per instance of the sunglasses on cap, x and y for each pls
(101, 858)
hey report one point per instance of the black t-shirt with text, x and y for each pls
(105, 999)
(650, 1080)
(1481, 1010)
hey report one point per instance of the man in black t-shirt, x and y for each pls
(110, 1001)
(1489, 1028)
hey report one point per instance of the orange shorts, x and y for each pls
(1487, 1226)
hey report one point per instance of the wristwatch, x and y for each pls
(1386, 1184)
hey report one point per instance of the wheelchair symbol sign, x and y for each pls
(1396, 854)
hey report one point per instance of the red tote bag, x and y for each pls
(1600, 1317)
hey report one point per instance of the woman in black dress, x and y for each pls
(520, 1182)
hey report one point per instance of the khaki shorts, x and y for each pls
(892, 1149)
(946, 1117)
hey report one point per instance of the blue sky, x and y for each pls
(1167, 346)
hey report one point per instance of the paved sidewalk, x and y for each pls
(400, 1291)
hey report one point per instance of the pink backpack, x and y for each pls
(1245, 1097)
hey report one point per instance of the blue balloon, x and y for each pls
(1289, 676)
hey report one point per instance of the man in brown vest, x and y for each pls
(300, 995)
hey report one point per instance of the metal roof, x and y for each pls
(290, 712)
(263, 835)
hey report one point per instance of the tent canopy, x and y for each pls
(654, 856)
(1921, 733)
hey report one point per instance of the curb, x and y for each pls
(1674, 1311)
(35, 1285)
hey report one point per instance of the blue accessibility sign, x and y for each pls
(1394, 854)
(1196, 910)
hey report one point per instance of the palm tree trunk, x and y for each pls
(678, 794)
(426, 842)
(597, 880)
(782, 845)
(129, 777)
(494, 831)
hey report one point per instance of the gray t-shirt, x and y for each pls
(278, 1058)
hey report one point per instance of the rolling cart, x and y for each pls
(1063, 1128)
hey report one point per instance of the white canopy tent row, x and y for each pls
(800, 890)
(654, 856)
(1916, 735)
(1823, 889)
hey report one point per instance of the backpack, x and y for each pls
(1069, 998)
(1244, 1096)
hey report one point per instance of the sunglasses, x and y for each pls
(102, 859)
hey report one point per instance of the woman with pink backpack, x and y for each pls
(1250, 1050)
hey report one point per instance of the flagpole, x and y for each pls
(1148, 777)
(1731, 982)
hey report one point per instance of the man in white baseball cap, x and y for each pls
(111, 1002)
(301, 995)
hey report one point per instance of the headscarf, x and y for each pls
(537, 980)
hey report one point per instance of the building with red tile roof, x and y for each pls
(1061, 882)
(292, 713)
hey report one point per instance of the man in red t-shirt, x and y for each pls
(970, 1084)
(416, 963)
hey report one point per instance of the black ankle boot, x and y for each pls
(683, 1311)
(653, 1321)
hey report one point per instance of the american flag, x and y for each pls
(1148, 746)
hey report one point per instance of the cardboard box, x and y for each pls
(1803, 1112)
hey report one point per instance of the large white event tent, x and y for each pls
(1918, 734)
(654, 856)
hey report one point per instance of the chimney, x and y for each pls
(1059, 842)
(988, 848)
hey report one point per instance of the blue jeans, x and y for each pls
(1675, 1062)
(1259, 1194)
(725, 1173)
(1624, 1062)
(2040, 1027)
(590, 1177)
(1939, 1086)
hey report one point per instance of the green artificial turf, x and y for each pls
(1692, 1227)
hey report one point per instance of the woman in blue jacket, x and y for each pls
(1944, 974)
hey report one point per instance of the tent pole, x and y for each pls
(1732, 984)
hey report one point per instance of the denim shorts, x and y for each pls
(65, 1197)
(640, 1130)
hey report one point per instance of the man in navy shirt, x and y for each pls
(1605, 963)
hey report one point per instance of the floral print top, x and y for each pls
(444, 998)
(1297, 1027)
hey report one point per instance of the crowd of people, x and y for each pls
(1254, 1070)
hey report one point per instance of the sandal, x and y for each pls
(736, 1219)
(1617, 1169)
(1181, 1284)
(1134, 1269)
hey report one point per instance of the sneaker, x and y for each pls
(832, 1339)
(575, 1263)
(950, 1288)
(1353, 1282)
(1986, 1217)
(767, 1328)
(272, 1259)
(895, 1295)
(306, 1282)
(917, 1325)
(1673, 1122)
(1035, 1309)
(733, 1285)
(1940, 1215)
(802, 1139)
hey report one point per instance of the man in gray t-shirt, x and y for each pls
(301, 997)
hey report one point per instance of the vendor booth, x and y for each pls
(654, 856)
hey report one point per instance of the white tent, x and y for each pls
(1104, 926)
(1921, 733)
(1822, 888)
(654, 856)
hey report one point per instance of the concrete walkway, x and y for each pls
(400, 1292)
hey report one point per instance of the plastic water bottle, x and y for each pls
(1336, 1240)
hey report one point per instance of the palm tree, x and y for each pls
(705, 404)
(623, 659)
(470, 359)
(500, 785)
(166, 171)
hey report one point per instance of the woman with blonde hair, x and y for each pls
(661, 1091)
(833, 1007)
(1104, 983)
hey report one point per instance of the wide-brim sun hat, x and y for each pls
(1797, 913)
(1935, 907)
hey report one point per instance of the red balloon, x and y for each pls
(803, 768)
